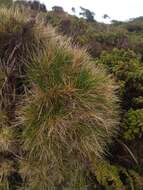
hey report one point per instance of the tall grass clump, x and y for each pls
(67, 118)
(17, 39)
(61, 108)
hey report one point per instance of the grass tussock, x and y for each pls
(61, 107)
(6, 170)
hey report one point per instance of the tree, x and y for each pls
(105, 16)
(87, 14)
(73, 9)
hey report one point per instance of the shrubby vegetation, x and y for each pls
(47, 84)
(128, 70)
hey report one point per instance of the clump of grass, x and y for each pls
(6, 169)
(68, 117)
(6, 139)
(61, 107)
(17, 39)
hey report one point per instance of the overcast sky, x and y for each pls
(116, 9)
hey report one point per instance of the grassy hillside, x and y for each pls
(96, 36)
(71, 107)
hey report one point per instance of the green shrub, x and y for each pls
(126, 66)
(133, 124)
(115, 177)
(128, 70)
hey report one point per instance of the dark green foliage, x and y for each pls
(133, 124)
(115, 177)
(128, 70)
